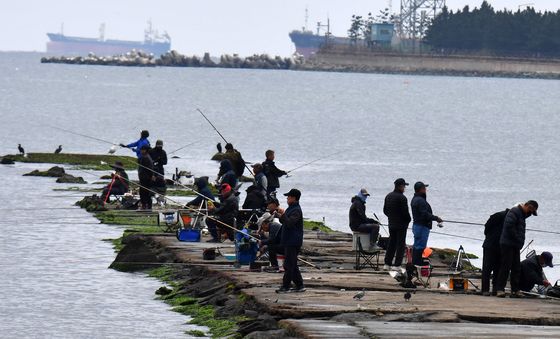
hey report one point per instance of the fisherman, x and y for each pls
(119, 181)
(226, 175)
(237, 162)
(254, 200)
(146, 177)
(272, 172)
(491, 251)
(292, 240)
(204, 193)
(532, 271)
(396, 210)
(226, 212)
(511, 243)
(422, 222)
(271, 243)
(159, 157)
(359, 222)
(260, 178)
(138, 144)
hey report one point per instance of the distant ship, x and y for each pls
(308, 43)
(154, 43)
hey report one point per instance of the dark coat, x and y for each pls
(513, 233)
(203, 190)
(422, 211)
(120, 184)
(272, 173)
(237, 162)
(145, 170)
(274, 234)
(396, 210)
(357, 214)
(493, 229)
(228, 174)
(254, 200)
(531, 273)
(159, 157)
(292, 226)
(227, 209)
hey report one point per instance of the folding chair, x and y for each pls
(421, 273)
(168, 221)
(366, 255)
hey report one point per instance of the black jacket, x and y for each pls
(272, 173)
(204, 192)
(227, 209)
(422, 211)
(145, 170)
(292, 226)
(121, 184)
(357, 213)
(531, 273)
(237, 162)
(396, 209)
(159, 157)
(493, 229)
(254, 200)
(274, 234)
(513, 233)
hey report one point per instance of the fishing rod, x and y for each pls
(82, 135)
(187, 145)
(223, 138)
(479, 224)
(314, 161)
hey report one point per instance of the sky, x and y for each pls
(245, 27)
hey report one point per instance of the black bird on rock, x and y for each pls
(407, 296)
(219, 147)
(58, 150)
(20, 149)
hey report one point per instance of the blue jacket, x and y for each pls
(292, 226)
(422, 211)
(513, 232)
(229, 176)
(202, 188)
(137, 146)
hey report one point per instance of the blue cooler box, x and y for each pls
(188, 235)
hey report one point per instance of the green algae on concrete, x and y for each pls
(88, 161)
(311, 225)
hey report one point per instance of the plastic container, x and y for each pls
(280, 258)
(188, 235)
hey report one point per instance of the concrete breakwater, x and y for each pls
(176, 59)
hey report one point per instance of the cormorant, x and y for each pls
(219, 147)
(407, 296)
(58, 150)
(20, 149)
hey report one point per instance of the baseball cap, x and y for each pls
(419, 185)
(547, 256)
(159, 143)
(265, 217)
(364, 192)
(534, 204)
(293, 193)
(401, 182)
(225, 188)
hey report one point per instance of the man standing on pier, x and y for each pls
(422, 223)
(511, 243)
(491, 251)
(291, 240)
(272, 172)
(396, 210)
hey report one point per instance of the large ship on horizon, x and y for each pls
(308, 43)
(153, 43)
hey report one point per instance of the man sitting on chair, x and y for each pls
(119, 181)
(270, 232)
(359, 222)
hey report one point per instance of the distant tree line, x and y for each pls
(483, 30)
(360, 27)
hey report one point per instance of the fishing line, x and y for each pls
(187, 145)
(314, 161)
(479, 224)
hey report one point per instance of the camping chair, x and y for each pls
(421, 274)
(366, 255)
(168, 221)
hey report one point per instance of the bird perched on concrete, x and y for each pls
(58, 150)
(407, 296)
(20, 149)
(360, 294)
(219, 147)
(113, 149)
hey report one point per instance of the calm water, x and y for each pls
(482, 144)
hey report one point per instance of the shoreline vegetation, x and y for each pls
(97, 162)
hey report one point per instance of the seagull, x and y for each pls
(58, 150)
(407, 296)
(219, 147)
(360, 294)
(20, 149)
(113, 149)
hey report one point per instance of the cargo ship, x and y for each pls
(308, 43)
(154, 43)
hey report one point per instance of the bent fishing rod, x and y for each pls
(200, 213)
(187, 145)
(479, 224)
(221, 136)
(314, 161)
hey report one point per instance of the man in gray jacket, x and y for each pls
(511, 243)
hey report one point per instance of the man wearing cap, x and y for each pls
(491, 252)
(271, 243)
(119, 182)
(146, 177)
(359, 222)
(292, 240)
(511, 243)
(237, 162)
(532, 271)
(226, 212)
(423, 218)
(159, 157)
(396, 210)
(138, 144)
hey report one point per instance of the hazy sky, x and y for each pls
(221, 26)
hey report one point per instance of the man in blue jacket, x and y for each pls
(138, 144)
(511, 243)
(422, 218)
(204, 193)
(291, 240)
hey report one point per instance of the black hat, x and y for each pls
(294, 193)
(144, 134)
(419, 185)
(534, 204)
(229, 146)
(118, 165)
(547, 257)
(273, 201)
(401, 182)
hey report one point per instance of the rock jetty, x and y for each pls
(176, 59)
